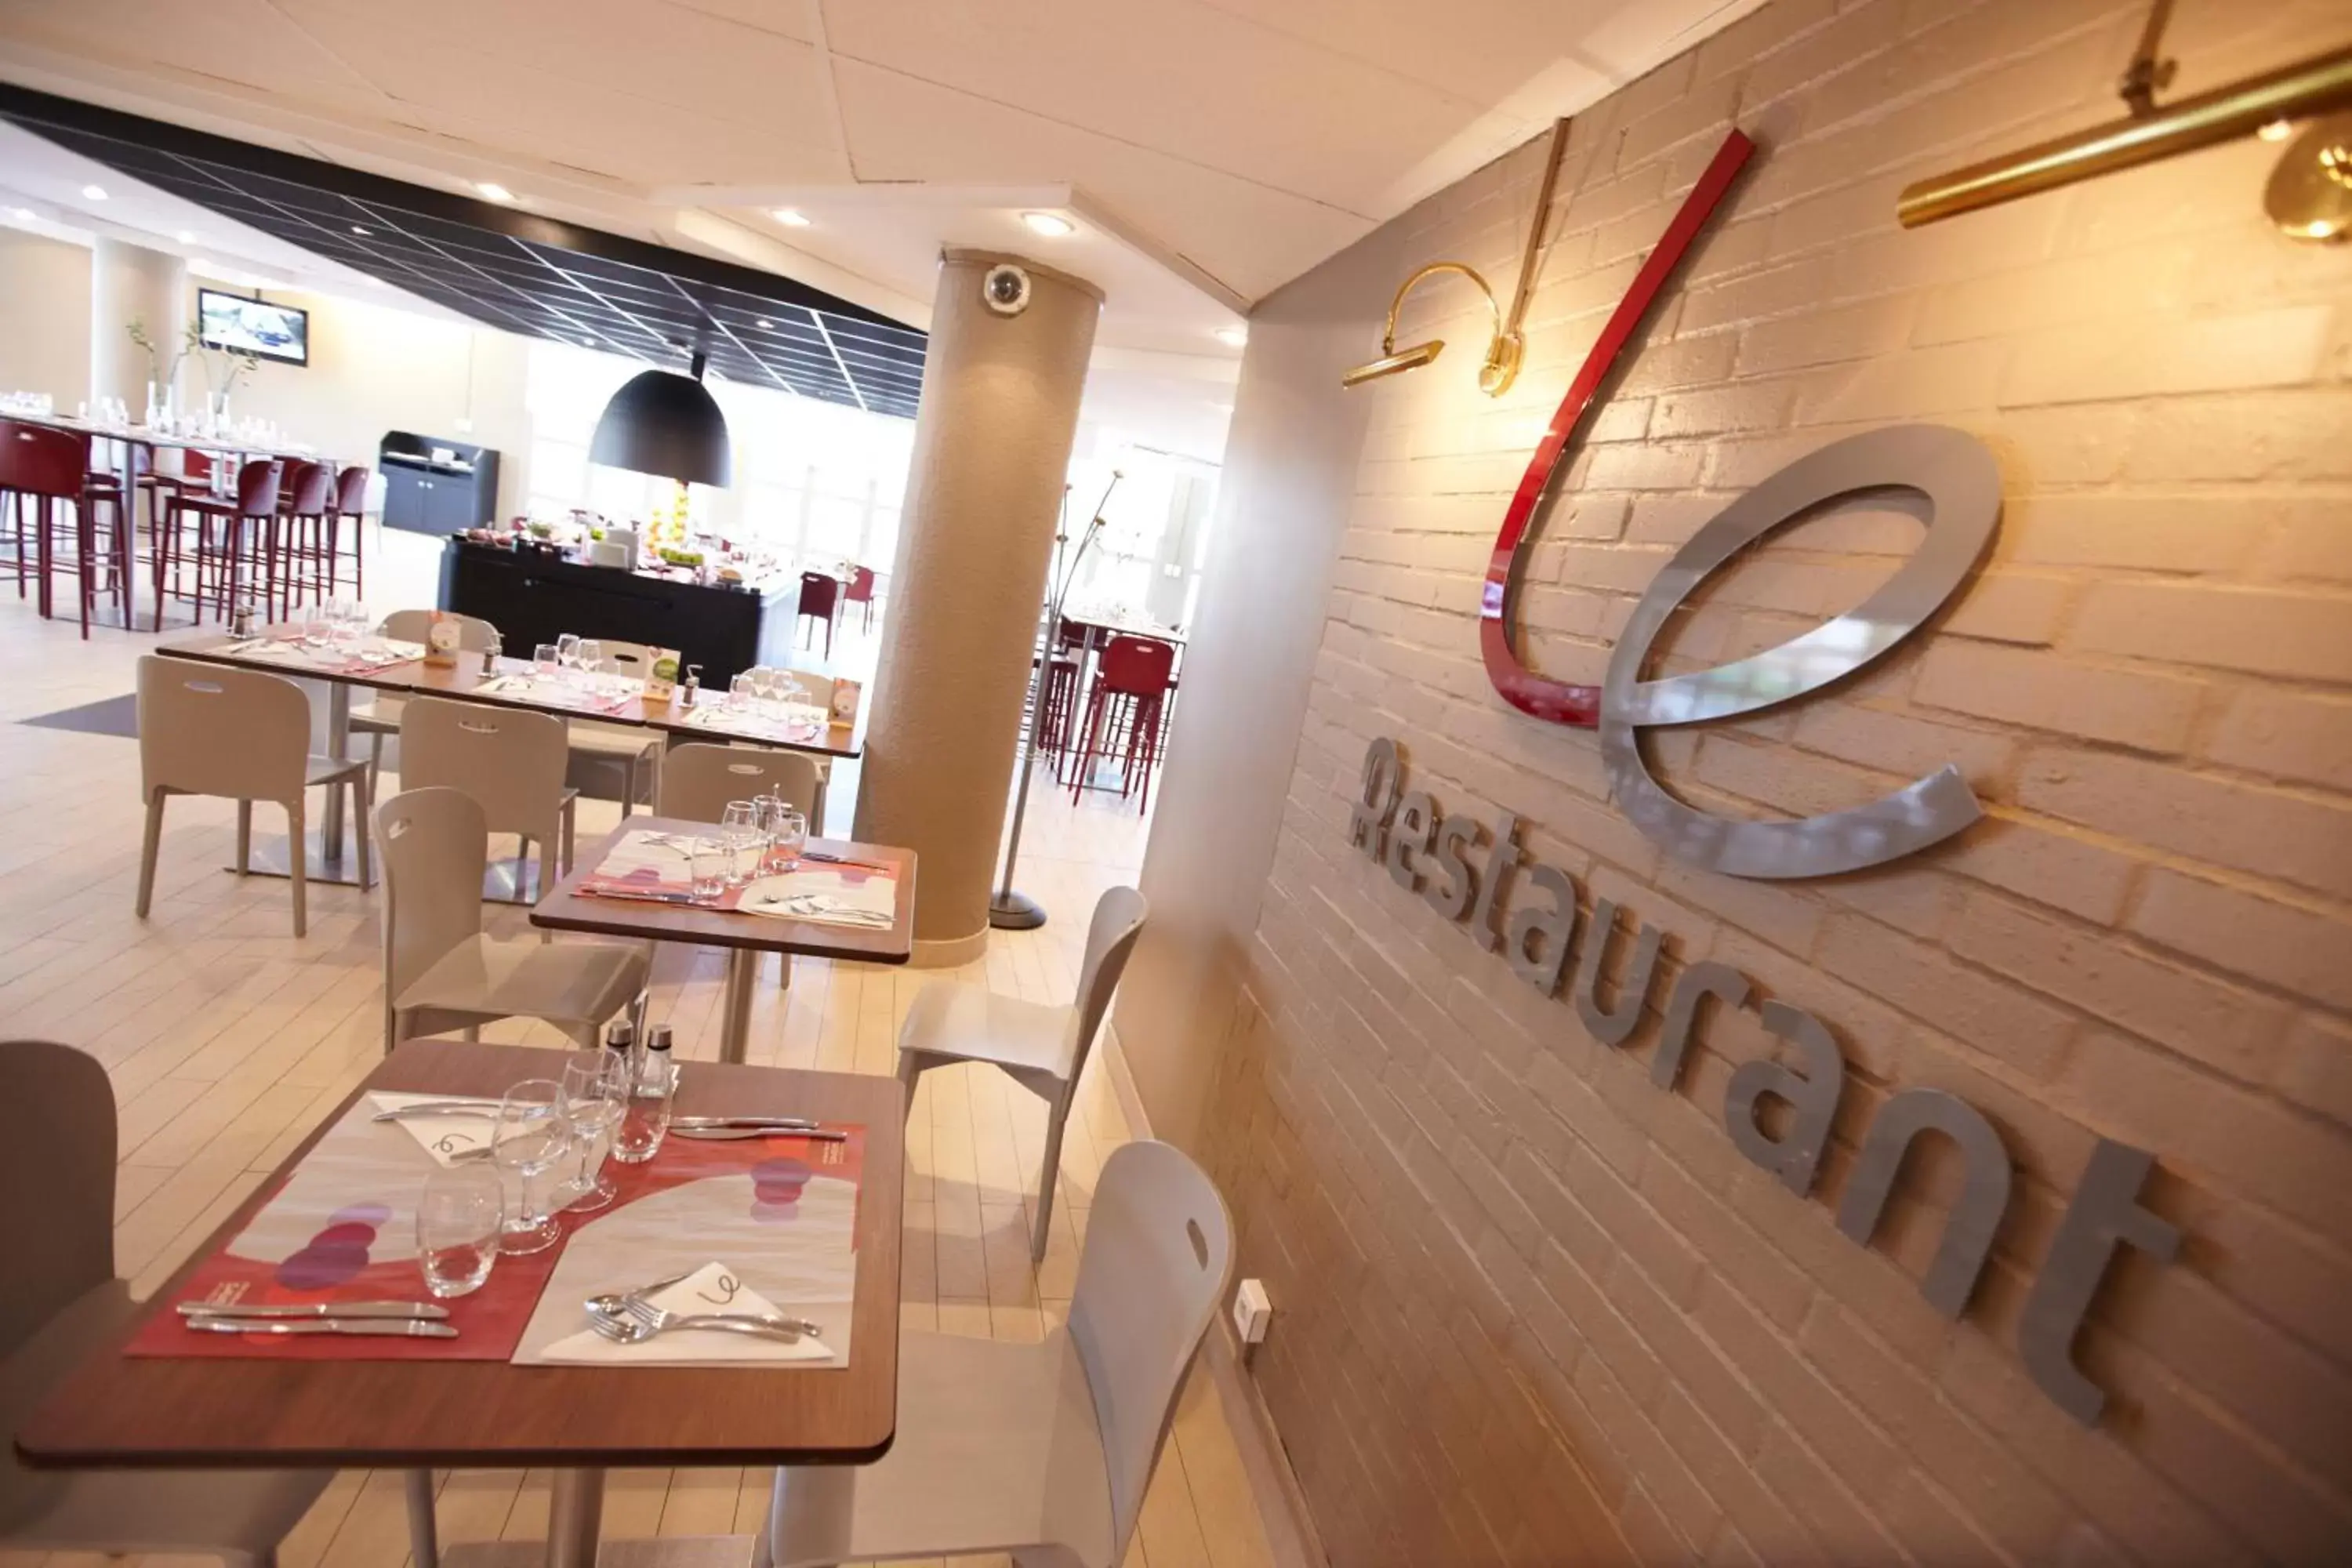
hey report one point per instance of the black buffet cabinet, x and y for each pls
(535, 597)
(425, 492)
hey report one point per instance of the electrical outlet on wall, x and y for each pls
(1252, 1311)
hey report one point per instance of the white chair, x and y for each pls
(820, 691)
(630, 747)
(698, 780)
(241, 735)
(1042, 1451)
(440, 973)
(64, 1304)
(380, 717)
(511, 762)
(1042, 1047)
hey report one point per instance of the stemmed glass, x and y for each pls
(458, 1220)
(591, 657)
(567, 651)
(595, 1097)
(527, 1143)
(739, 825)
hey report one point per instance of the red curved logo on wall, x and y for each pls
(1557, 701)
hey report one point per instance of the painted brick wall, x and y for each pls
(1532, 1309)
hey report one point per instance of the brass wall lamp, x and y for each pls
(2147, 133)
(1504, 348)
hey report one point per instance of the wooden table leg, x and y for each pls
(735, 1029)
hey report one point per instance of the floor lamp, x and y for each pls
(1009, 911)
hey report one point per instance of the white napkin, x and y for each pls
(713, 1288)
(442, 1137)
(825, 896)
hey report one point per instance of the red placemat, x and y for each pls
(341, 1227)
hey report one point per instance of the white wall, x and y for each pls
(44, 317)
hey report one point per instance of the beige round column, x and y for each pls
(999, 412)
(131, 283)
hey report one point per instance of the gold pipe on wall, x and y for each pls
(2291, 92)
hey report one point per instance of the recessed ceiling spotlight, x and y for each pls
(94, 193)
(1232, 337)
(1053, 225)
(491, 191)
(766, 323)
(2277, 131)
(22, 214)
(361, 232)
(791, 218)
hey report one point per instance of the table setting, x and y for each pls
(571, 1220)
(756, 861)
(333, 639)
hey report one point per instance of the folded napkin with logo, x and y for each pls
(860, 896)
(644, 863)
(451, 1130)
(710, 1316)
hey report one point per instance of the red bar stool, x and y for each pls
(861, 592)
(225, 528)
(820, 594)
(349, 503)
(303, 496)
(45, 466)
(1130, 692)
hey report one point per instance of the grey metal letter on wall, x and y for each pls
(2105, 1215)
(1449, 893)
(1976, 1213)
(1699, 983)
(1501, 860)
(1540, 933)
(1614, 1026)
(1368, 820)
(1957, 474)
(1408, 835)
(1813, 1095)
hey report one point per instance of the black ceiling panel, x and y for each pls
(511, 269)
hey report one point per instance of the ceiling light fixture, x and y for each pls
(2144, 135)
(186, 236)
(491, 191)
(668, 425)
(2309, 195)
(94, 193)
(2277, 131)
(791, 218)
(1053, 225)
(1501, 366)
(766, 326)
(361, 232)
(1232, 337)
(22, 214)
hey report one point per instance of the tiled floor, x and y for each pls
(228, 1040)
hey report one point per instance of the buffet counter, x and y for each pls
(534, 596)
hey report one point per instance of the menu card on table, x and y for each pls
(778, 1212)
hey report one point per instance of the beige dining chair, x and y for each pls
(64, 1304)
(636, 751)
(698, 780)
(1042, 1047)
(380, 717)
(240, 735)
(820, 691)
(511, 762)
(441, 973)
(1040, 1450)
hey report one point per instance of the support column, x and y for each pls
(999, 412)
(131, 283)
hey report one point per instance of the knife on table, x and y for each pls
(405, 1327)
(439, 1108)
(423, 1310)
(780, 1123)
(722, 1135)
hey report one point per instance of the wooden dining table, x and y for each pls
(156, 1411)
(744, 936)
(709, 718)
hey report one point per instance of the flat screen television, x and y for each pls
(253, 326)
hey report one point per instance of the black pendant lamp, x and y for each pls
(664, 423)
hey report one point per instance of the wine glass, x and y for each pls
(527, 1143)
(458, 1220)
(591, 657)
(739, 825)
(595, 1096)
(567, 651)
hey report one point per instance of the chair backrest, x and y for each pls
(434, 845)
(511, 763)
(36, 460)
(195, 465)
(861, 585)
(698, 780)
(820, 687)
(302, 489)
(257, 487)
(203, 729)
(57, 1183)
(818, 591)
(1158, 1256)
(474, 635)
(1139, 666)
(350, 490)
(1110, 938)
(633, 659)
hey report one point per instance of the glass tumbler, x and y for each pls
(787, 838)
(459, 1221)
(645, 1122)
(544, 662)
(527, 1144)
(710, 861)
